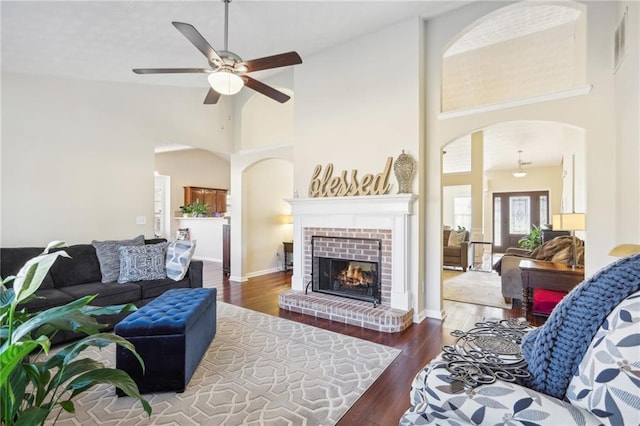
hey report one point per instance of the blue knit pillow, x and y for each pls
(554, 351)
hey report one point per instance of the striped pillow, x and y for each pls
(179, 254)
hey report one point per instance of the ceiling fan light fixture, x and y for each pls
(225, 82)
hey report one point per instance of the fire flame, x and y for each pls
(353, 275)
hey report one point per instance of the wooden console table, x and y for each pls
(548, 275)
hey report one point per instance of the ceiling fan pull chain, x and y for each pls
(226, 24)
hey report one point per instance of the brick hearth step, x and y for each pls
(354, 312)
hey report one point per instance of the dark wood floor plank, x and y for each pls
(388, 398)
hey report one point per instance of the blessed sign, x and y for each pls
(348, 184)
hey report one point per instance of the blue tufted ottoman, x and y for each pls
(171, 334)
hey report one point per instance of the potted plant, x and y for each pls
(532, 240)
(199, 209)
(31, 387)
(186, 210)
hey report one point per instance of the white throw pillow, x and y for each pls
(456, 238)
(179, 254)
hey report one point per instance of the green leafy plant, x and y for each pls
(532, 240)
(186, 209)
(33, 386)
(198, 208)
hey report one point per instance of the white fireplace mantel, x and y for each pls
(364, 212)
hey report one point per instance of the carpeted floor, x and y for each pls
(259, 370)
(480, 288)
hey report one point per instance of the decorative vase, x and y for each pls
(404, 168)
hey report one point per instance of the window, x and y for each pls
(497, 219)
(462, 212)
(519, 216)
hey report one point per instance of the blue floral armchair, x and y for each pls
(603, 389)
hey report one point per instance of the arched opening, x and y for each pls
(498, 198)
(265, 185)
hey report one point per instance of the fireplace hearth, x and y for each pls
(347, 267)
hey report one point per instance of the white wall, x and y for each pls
(595, 112)
(356, 106)
(266, 122)
(357, 114)
(265, 186)
(77, 156)
(627, 108)
(191, 167)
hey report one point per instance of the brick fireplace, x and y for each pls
(353, 229)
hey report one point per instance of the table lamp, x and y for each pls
(570, 222)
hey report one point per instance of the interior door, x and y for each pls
(515, 213)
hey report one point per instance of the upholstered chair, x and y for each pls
(583, 365)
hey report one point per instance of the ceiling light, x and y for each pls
(519, 173)
(225, 82)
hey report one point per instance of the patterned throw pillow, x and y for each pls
(456, 238)
(606, 382)
(109, 256)
(138, 263)
(179, 254)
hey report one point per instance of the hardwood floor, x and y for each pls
(388, 398)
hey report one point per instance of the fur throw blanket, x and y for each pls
(558, 250)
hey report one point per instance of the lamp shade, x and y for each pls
(519, 173)
(225, 82)
(568, 222)
(624, 250)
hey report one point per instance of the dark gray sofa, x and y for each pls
(72, 278)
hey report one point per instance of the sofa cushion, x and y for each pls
(179, 255)
(451, 252)
(47, 298)
(433, 402)
(82, 267)
(109, 256)
(12, 259)
(138, 263)
(107, 293)
(607, 383)
(155, 288)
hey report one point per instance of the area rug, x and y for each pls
(480, 288)
(259, 370)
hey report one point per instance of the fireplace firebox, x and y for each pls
(347, 267)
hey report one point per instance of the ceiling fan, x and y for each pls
(520, 172)
(227, 71)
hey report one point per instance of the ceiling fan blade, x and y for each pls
(197, 40)
(170, 70)
(212, 97)
(265, 89)
(275, 61)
